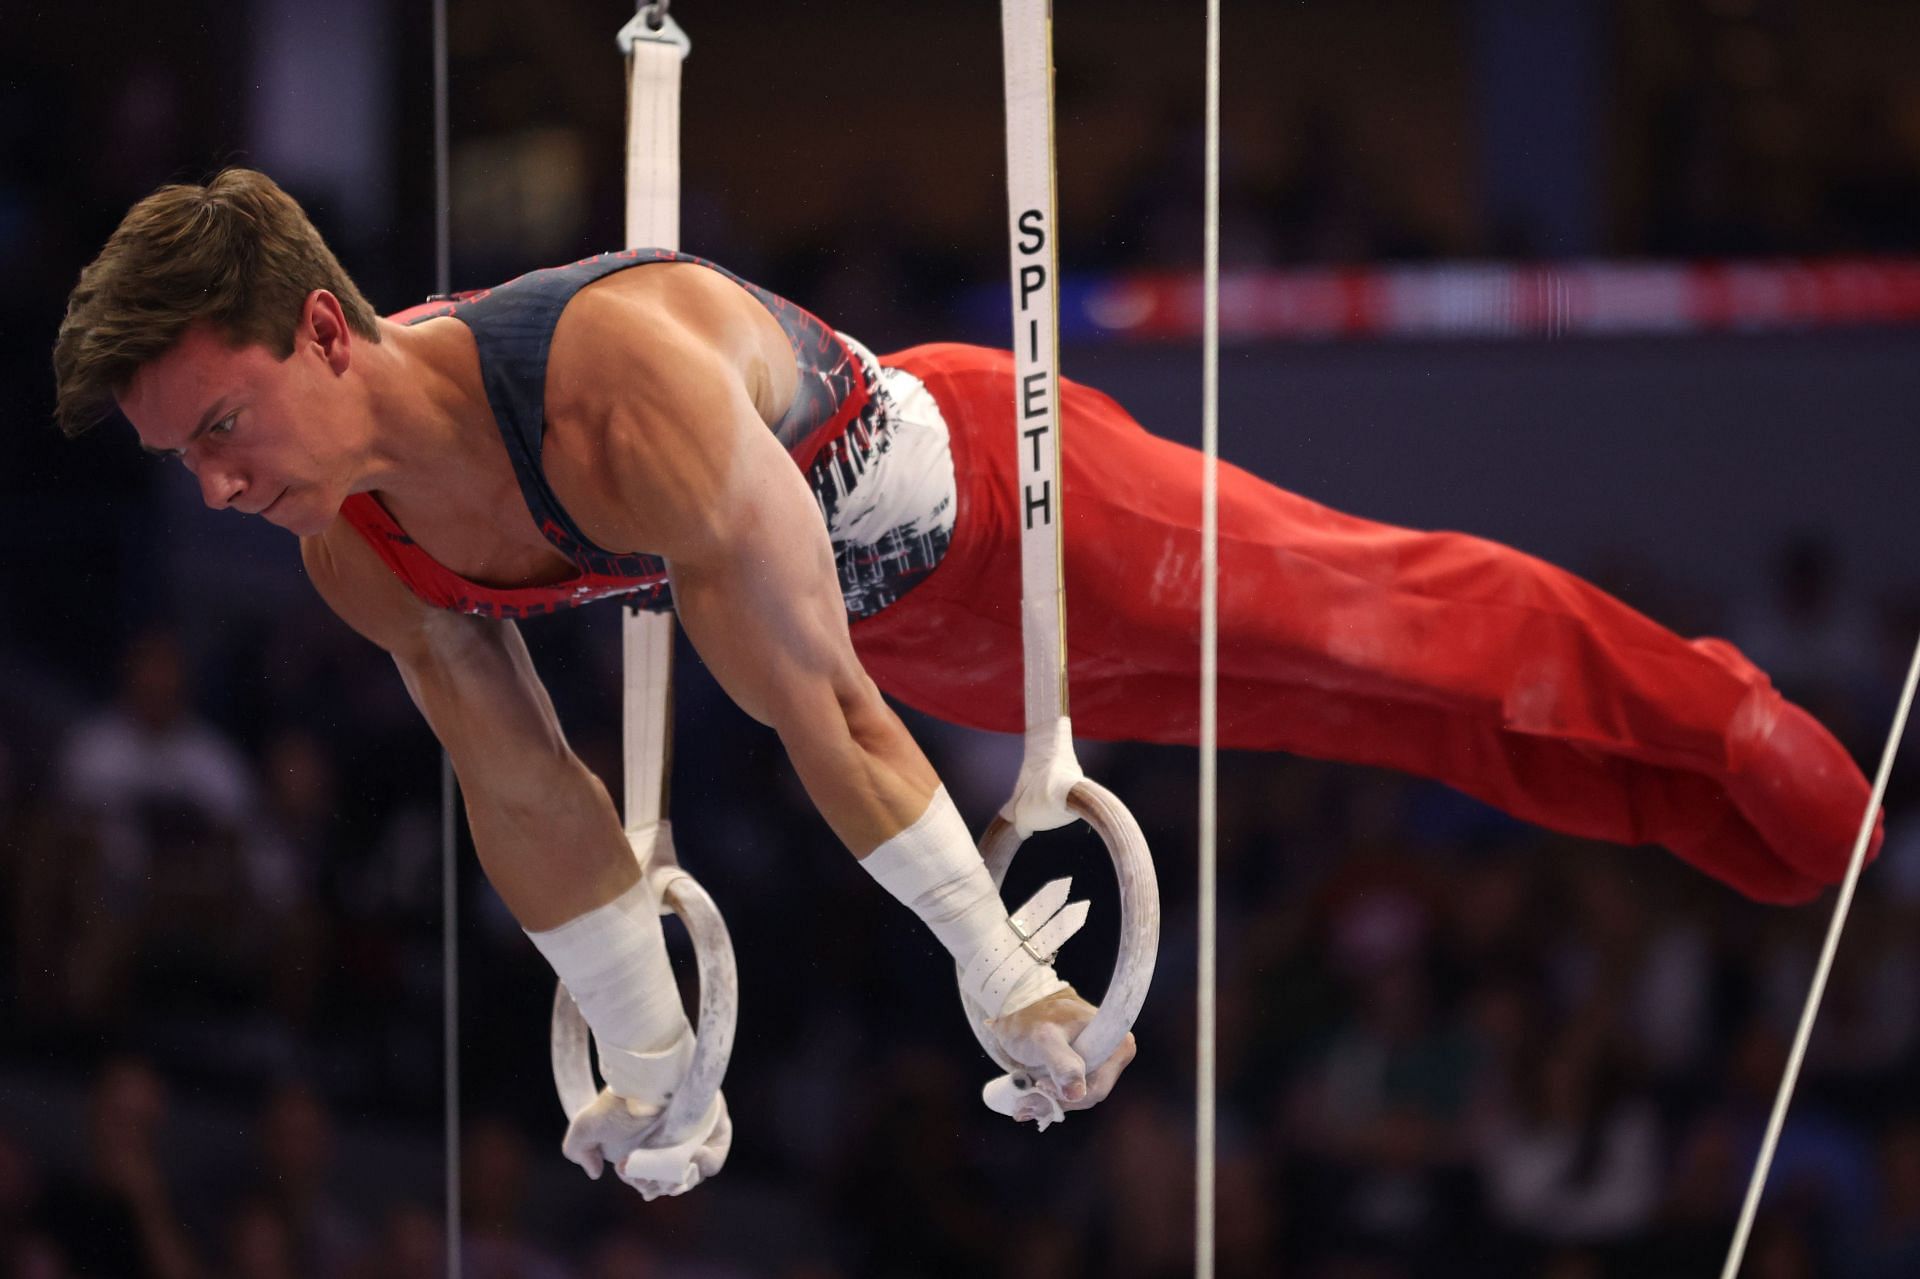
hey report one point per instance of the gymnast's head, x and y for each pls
(220, 324)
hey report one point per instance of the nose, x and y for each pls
(219, 487)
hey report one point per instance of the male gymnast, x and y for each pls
(829, 526)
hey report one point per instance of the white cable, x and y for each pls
(1204, 1066)
(1779, 1117)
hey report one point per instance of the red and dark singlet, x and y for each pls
(836, 428)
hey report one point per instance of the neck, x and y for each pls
(424, 396)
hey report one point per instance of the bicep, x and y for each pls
(687, 469)
(758, 592)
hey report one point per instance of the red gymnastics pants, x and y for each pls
(1439, 654)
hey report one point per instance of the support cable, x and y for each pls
(1205, 1063)
(1777, 1120)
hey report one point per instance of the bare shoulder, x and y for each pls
(649, 386)
(359, 587)
(637, 326)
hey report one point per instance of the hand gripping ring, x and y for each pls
(680, 894)
(1139, 925)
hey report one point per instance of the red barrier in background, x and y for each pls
(1506, 301)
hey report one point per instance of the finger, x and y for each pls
(1064, 1068)
(1101, 1082)
(589, 1158)
(580, 1147)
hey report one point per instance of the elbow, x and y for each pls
(870, 721)
(845, 706)
(541, 799)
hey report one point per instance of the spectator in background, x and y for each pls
(24, 1250)
(912, 1180)
(1250, 1217)
(1821, 1185)
(294, 1183)
(1380, 1115)
(1781, 1249)
(1042, 1247)
(1621, 962)
(629, 1253)
(37, 1258)
(1575, 1157)
(294, 839)
(146, 769)
(151, 748)
(1892, 1249)
(1700, 1196)
(1812, 636)
(117, 1216)
(493, 1186)
(259, 1245)
(624, 1254)
(1148, 1162)
(410, 1246)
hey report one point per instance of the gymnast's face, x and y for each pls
(264, 436)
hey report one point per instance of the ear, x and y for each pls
(324, 322)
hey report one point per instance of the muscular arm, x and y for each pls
(691, 472)
(543, 825)
(762, 602)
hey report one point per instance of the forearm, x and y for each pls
(543, 825)
(551, 843)
(556, 854)
(860, 766)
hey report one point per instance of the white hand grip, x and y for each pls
(1139, 936)
(1004, 1093)
(680, 894)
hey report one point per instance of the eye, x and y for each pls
(224, 426)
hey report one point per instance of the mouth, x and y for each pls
(268, 508)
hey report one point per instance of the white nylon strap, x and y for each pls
(1026, 30)
(653, 221)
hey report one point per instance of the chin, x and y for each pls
(301, 516)
(305, 523)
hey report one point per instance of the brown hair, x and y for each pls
(238, 253)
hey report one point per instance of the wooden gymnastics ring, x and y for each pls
(679, 894)
(1139, 939)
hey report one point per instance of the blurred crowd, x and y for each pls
(1450, 1044)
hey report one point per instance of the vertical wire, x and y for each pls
(449, 789)
(1804, 1035)
(1204, 1072)
(450, 978)
(442, 187)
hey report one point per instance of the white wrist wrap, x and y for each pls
(933, 868)
(613, 960)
